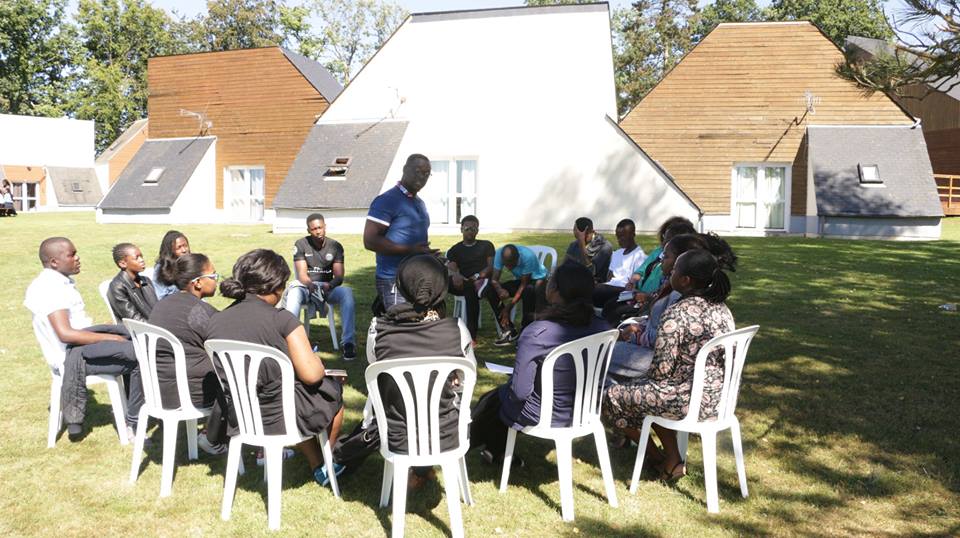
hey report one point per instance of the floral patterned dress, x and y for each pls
(684, 328)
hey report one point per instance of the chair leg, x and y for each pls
(192, 439)
(565, 474)
(328, 462)
(274, 456)
(332, 322)
(507, 458)
(399, 499)
(465, 483)
(230, 480)
(386, 484)
(452, 489)
(119, 403)
(683, 442)
(53, 425)
(709, 442)
(738, 454)
(600, 436)
(142, 421)
(169, 455)
(641, 451)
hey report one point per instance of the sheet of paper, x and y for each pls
(624, 296)
(499, 368)
(329, 372)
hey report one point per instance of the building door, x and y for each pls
(451, 191)
(760, 196)
(245, 186)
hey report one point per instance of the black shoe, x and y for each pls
(349, 352)
(506, 338)
(515, 463)
(75, 432)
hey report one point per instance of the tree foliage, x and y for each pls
(836, 18)
(37, 46)
(239, 24)
(726, 11)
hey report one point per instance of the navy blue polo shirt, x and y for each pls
(407, 221)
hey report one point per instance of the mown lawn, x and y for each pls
(848, 407)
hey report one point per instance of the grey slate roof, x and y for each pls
(874, 47)
(508, 11)
(75, 186)
(121, 140)
(178, 157)
(901, 155)
(316, 75)
(372, 147)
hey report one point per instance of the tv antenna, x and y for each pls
(204, 124)
(810, 100)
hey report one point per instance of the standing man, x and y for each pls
(591, 249)
(529, 278)
(318, 268)
(71, 343)
(470, 265)
(396, 227)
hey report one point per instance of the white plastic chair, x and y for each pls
(591, 357)
(242, 376)
(735, 345)
(104, 288)
(422, 404)
(310, 311)
(118, 399)
(460, 310)
(145, 339)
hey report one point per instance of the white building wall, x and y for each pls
(339, 221)
(29, 140)
(530, 106)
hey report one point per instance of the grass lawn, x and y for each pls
(848, 407)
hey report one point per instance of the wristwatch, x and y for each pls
(476, 276)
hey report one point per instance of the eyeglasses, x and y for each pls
(470, 228)
(214, 276)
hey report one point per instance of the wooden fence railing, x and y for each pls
(948, 187)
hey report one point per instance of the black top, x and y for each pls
(127, 300)
(186, 317)
(319, 260)
(473, 259)
(404, 340)
(253, 320)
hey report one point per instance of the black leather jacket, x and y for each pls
(126, 300)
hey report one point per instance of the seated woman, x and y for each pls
(131, 295)
(416, 328)
(649, 277)
(173, 245)
(259, 280)
(186, 315)
(516, 404)
(633, 354)
(698, 316)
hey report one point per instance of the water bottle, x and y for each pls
(949, 307)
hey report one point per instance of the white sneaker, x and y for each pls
(287, 454)
(210, 448)
(132, 437)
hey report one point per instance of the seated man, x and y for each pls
(131, 295)
(590, 249)
(623, 263)
(529, 276)
(318, 268)
(470, 265)
(65, 331)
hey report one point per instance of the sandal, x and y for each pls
(677, 472)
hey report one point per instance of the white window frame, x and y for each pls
(228, 190)
(23, 198)
(450, 196)
(787, 188)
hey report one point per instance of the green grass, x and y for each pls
(848, 406)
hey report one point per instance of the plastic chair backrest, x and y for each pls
(735, 345)
(145, 338)
(591, 358)
(413, 377)
(542, 253)
(241, 365)
(53, 355)
(104, 288)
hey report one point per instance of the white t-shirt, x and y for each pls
(48, 293)
(622, 266)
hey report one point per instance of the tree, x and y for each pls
(36, 49)
(836, 18)
(116, 40)
(649, 39)
(927, 52)
(726, 11)
(352, 31)
(238, 24)
(297, 32)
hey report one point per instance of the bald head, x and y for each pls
(59, 254)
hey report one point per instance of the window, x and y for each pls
(75, 187)
(869, 174)
(760, 196)
(153, 177)
(337, 169)
(244, 192)
(451, 191)
(24, 196)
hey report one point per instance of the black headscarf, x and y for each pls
(422, 280)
